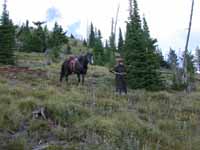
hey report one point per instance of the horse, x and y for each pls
(76, 65)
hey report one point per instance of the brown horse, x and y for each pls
(76, 65)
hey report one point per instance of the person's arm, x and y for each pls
(112, 70)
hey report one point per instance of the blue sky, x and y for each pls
(167, 19)
(52, 14)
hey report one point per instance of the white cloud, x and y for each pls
(167, 19)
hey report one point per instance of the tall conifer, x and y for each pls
(7, 38)
(139, 52)
(120, 42)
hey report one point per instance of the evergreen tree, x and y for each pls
(45, 39)
(107, 52)
(7, 38)
(112, 38)
(139, 53)
(120, 42)
(177, 83)
(84, 43)
(112, 47)
(197, 57)
(190, 66)
(72, 36)
(98, 49)
(172, 59)
(91, 36)
(160, 59)
(37, 40)
(24, 36)
(153, 76)
(56, 39)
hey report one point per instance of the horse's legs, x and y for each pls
(61, 76)
(62, 72)
(66, 77)
(83, 78)
(79, 79)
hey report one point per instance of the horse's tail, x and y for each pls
(62, 72)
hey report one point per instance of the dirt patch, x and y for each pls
(11, 72)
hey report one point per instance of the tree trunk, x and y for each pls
(185, 63)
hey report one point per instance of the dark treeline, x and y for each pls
(26, 38)
(29, 39)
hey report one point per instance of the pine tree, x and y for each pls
(98, 49)
(112, 47)
(177, 83)
(153, 76)
(84, 43)
(39, 37)
(197, 57)
(37, 40)
(191, 68)
(56, 39)
(139, 53)
(120, 42)
(163, 63)
(134, 52)
(91, 36)
(172, 59)
(24, 36)
(112, 38)
(107, 52)
(7, 38)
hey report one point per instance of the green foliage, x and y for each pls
(120, 42)
(172, 59)
(85, 43)
(177, 83)
(95, 42)
(111, 48)
(91, 116)
(7, 38)
(24, 37)
(39, 39)
(163, 63)
(54, 147)
(39, 126)
(190, 66)
(57, 37)
(98, 49)
(16, 144)
(197, 57)
(91, 36)
(67, 113)
(27, 105)
(139, 53)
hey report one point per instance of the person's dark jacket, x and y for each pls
(120, 73)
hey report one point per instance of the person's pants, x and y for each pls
(121, 90)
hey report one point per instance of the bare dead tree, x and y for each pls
(116, 19)
(185, 63)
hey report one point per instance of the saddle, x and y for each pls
(72, 63)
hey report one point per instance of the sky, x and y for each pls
(167, 19)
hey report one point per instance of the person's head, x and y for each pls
(120, 61)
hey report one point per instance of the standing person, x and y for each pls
(120, 73)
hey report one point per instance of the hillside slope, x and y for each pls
(37, 112)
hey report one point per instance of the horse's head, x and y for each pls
(90, 57)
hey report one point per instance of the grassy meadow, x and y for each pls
(91, 116)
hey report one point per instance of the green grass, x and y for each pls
(91, 116)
